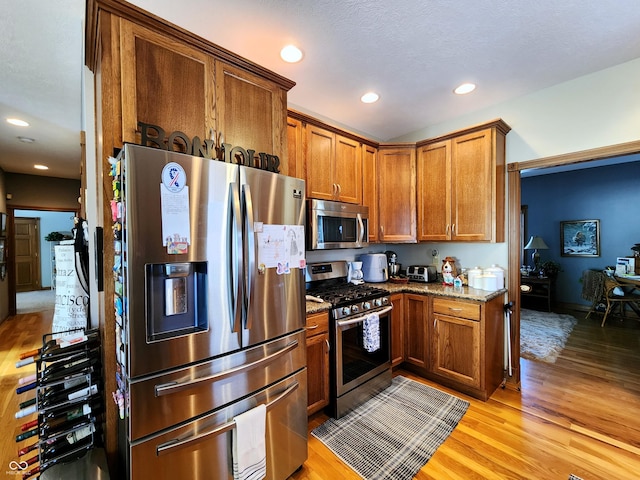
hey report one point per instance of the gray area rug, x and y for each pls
(396, 432)
(35, 301)
(543, 335)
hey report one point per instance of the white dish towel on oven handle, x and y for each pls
(371, 333)
(249, 446)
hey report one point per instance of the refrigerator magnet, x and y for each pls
(174, 208)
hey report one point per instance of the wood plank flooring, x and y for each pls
(18, 334)
(580, 415)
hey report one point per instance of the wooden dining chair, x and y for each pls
(593, 289)
(616, 296)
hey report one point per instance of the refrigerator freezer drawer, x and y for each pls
(202, 449)
(159, 402)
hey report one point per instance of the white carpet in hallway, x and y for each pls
(35, 301)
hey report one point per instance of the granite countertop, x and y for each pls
(434, 288)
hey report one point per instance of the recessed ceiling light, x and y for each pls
(465, 88)
(17, 122)
(369, 97)
(291, 54)
(40, 167)
(27, 139)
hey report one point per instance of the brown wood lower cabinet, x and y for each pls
(317, 361)
(397, 329)
(455, 338)
(455, 342)
(416, 320)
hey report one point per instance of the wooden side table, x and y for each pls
(541, 294)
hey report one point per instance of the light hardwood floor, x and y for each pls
(580, 415)
(18, 334)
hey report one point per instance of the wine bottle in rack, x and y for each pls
(60, 348)
(57, 350)
(58, 400)
(28, 434)
(70, 365)
(70, 412)
(30, 448)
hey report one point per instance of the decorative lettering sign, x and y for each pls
(154, 136)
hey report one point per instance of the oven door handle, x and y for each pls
(166, 447)
(172, 387)
(351, 321)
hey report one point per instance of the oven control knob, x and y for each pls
(355, 309)
(377, 302)
(385, 301)
(346, 310)
(366, 305)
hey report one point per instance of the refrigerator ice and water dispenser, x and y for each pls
(176, 299)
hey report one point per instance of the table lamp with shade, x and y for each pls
(536, 243)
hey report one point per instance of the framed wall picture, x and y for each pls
(580, 238)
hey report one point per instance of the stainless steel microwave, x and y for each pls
(333, 225)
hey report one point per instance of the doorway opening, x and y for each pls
(515, 233)
(33, 234)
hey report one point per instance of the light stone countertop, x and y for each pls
(434, 288)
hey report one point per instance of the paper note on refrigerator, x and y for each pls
(175, 219)
(281, 247)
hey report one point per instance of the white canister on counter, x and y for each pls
(489, 282)
(498, 272)
(472, 276)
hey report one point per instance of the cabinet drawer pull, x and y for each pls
(328, 345)
(312, 327)
(455, 309)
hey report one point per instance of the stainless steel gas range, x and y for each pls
(358, 370)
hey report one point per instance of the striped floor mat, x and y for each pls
(395, 433)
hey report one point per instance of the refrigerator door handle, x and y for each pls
(173, 387)
(167, 447)
(236, 259)
(251, 252)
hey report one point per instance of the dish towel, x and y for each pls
(371, 333)
(249, 447)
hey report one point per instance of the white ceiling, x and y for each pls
(412, 52)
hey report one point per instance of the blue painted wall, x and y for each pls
(610, 194)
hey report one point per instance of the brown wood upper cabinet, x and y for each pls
(397, 193)
(178, 87)
(333, 166)
(165, 83)
(461, 185)
(370, 188)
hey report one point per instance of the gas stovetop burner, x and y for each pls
(328, 281)
(342, 295)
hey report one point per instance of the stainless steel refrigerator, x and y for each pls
(209, 274)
